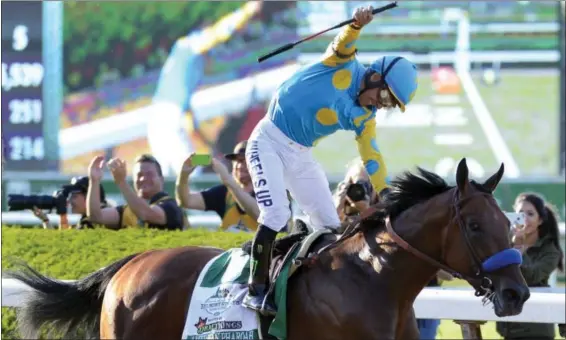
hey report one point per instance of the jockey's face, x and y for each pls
(378, 97)
(240, 170)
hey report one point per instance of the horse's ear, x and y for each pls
(491, 183)
(462, 175)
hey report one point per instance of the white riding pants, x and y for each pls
(276, 164)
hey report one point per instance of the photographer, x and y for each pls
(538, 240)
(73, 194)
(77, 200)
(147, 206)
(355, 193)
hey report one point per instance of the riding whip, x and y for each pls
(343, 23)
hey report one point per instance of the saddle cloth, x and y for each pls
(215, 309)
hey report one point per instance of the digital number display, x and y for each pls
(22, 86)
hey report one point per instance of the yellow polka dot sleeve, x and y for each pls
(371, 156)
(343, 48)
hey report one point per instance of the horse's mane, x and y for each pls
(409, 189)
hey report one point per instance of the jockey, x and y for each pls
(335, 93)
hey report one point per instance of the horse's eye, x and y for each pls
(474, 226)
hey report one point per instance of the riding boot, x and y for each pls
(259, 275)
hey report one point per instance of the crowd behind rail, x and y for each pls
(148, 205)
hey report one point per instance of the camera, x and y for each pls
(358, 191)
(57, 201)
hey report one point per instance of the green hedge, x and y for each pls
(72, 254)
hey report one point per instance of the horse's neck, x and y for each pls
(422, 228)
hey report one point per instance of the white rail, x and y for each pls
(546, 305)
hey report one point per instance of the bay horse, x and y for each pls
(362, 285)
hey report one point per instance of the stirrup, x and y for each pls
(254, 302)
(272, 311)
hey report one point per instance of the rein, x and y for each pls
(405, 245)
(351, 227)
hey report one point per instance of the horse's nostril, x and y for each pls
(511, 295)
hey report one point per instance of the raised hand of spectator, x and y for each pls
(221, 170)
(118, 169)
(187, 167)
(95, 169)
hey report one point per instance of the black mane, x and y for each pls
(409, 189)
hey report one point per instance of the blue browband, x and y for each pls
(502, 259)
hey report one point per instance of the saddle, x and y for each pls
(298, 246)
(283, 247)
(301, 247)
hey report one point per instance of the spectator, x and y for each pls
(77, 200)
(539, 242)
(345, 206)
(233, 200)
(147, 206)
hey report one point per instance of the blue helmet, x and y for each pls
(399, 75)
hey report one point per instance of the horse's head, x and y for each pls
(480, 248)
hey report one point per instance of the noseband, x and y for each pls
(480, 279)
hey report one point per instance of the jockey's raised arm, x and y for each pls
(343, 48)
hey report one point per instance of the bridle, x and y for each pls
(480, 280)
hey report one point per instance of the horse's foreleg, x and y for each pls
(409, 329)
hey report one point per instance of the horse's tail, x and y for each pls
(66, 309)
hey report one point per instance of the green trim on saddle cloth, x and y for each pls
(278, 326)
(232, 266)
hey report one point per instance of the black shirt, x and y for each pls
(174, 215)
(220, 200)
